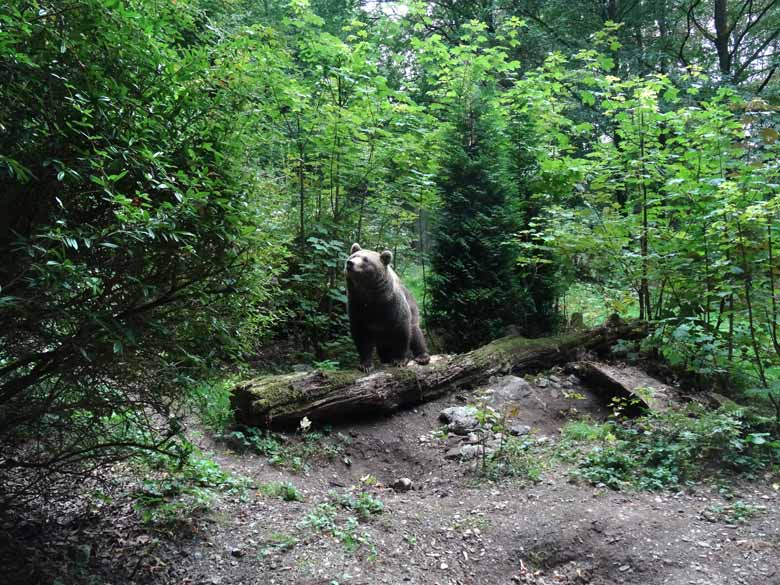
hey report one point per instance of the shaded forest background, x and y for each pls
(180, 182)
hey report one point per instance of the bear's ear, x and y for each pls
(386, 257)
(355, 248)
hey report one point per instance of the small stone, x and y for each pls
(237, 552)
(518, 430)
(465, 452)
(624, 568)
(444, 566)
(402, 484)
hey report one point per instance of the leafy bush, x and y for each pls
(668, 449)
(180, 493)
(130, 232)
(211, 399)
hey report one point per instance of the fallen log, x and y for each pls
(330, 396)
(628, 382)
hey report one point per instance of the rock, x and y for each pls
(465, 452)
(236, 552)
(453, 453)
(507, 389)
(519, 430)
(472, 438)
(542, 382)
(402, 484)
(461, 419)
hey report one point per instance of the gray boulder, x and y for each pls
(460, 420)
(507, 389)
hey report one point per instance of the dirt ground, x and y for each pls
(451, 528)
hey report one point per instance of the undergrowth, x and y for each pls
(329, 518)
(282, 490)
(293, 453)
(670, 449)
(179, 491)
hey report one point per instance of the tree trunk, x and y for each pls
(722, 34)
(328, 396)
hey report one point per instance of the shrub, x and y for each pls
(669, 449)
(133, 255)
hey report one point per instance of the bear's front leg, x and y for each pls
(418, 346)
(393, 348)
(364, 343)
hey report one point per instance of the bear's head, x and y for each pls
(367, 265)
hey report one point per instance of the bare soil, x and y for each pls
(451, 528)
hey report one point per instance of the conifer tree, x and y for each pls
(476, 289)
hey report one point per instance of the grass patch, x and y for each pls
(278, 542)
(515, 458)
(736, 513)
(284, 491)
(584, 430)
(325, 519)
(363, 504)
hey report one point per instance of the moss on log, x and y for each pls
(330, 396)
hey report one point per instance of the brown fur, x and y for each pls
(382, 313)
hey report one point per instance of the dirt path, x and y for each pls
(451, 528)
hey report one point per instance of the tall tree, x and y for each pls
(475, 288)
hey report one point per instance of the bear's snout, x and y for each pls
(350, 265)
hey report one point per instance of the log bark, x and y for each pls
(642, 391)
(332, 396)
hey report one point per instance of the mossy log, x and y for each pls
(331, 396)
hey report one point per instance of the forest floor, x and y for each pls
(452, 528)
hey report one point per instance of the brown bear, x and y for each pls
(382, 313)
